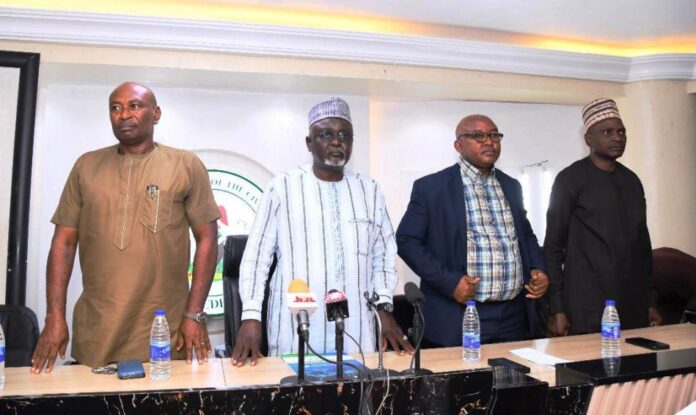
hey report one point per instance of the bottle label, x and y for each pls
(2, 353)
(611, 331)
(471, 340)
(159, 351)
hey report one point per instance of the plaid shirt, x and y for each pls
(493, 253)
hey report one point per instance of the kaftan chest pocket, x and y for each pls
(157, 210)
(364, 229)
(635, 211)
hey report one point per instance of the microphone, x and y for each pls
(380, 371)
(371, 299)
(302, 304)
(336, 305)
(413, 293)
(337, 310)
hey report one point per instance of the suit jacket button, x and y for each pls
(461, 268)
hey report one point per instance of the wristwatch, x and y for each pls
(199, 318)
(386, 307)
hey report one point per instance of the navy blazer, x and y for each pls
(432, 240)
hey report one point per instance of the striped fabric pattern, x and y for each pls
(599, 110)
(334, 235)
(493, 252)
(331, 108)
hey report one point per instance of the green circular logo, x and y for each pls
(237, 194)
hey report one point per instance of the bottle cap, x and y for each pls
(471, 303)
(610, 303)
(160, 312)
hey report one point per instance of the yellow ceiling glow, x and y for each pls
(211, 10)
(681, 46)
(186, 9)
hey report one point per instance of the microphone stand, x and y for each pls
(380, 372)
(300, 378)
(300, 356)
(417, 332)
(340, 327)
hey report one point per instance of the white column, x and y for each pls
(660, 117)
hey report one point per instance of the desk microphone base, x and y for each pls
(416, 372)
(382, 373)
(292, 380)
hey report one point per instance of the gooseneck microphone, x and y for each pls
(380, 371)
(415, 296)
(336, 311)
(413, 293)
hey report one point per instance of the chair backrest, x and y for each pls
(403, 312)
(234, 249)
(674, 277)
(403, 315)
(21, 334)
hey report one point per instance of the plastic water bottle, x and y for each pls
(2, 358)
(160, 347)
(471, 333)
(611, 331)
(612, 365)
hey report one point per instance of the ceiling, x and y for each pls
(630, 22)
(608, 27)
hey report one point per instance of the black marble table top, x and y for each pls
(468, 392)
(627, 368)
(479, 391)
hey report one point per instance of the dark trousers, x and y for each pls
(501, 321)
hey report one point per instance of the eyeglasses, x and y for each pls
(326, 136)
(481, 137)
(609, 132)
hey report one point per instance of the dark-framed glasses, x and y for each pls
(610, 132)
(327, 135)
(481, 137)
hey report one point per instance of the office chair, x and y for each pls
(403, 312)
(234, 249)
(21, 334)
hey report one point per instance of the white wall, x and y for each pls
(412, 139)
(74, 119)
(660, 121)
(395, 143)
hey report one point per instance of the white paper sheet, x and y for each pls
(536, 356)
(689, 410)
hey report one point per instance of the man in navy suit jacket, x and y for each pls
(466, 234)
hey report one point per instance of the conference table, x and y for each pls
(455, 386)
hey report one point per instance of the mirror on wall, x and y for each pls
(19, 73)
